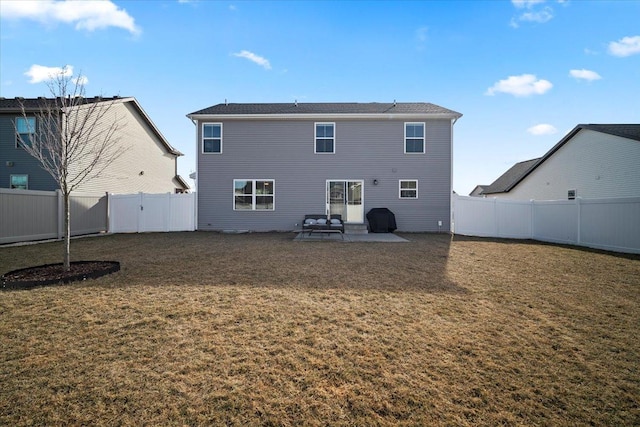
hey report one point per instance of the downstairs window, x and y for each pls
(408, 189)
(253, 194)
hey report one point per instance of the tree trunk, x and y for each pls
(67, 232)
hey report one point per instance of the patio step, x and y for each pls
(356, 229)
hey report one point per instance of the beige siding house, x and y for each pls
(148, 165)
(593, 161)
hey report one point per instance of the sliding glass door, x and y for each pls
(345, 198)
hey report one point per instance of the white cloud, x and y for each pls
(523, 85)
(81, 80)
(87, 15)
(528, 4)
(542, 129)
(263, 62)
(422, 34)
(40, 73)
(585, 75)
(541, 16)
(533, 12)
(422, 37)
(626, 46)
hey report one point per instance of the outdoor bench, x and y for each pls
(320, 223)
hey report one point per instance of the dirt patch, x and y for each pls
(49, 274)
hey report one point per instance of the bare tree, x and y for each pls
(75, 139)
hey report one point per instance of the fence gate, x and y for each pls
(139, 213)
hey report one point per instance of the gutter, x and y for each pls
(312, 116)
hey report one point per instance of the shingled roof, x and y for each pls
(326, 108)
(508, 179)
(630, 131)
(35, 105)
(519, 171)
(8, 105)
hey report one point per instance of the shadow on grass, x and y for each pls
(462, 238)
(258, 260)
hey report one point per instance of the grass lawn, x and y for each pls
(211, 329)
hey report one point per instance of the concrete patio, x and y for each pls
(370, 237)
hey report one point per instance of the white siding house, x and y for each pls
(590, 162)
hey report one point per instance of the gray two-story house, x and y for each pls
(262, 167)
(148, 164)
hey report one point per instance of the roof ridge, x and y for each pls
(325, 108)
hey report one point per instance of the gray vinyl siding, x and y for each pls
(23, 163)
(284, 151)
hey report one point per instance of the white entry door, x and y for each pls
(345, 198)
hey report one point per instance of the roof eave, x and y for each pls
(152, 126)
(548, 154)
(324, 116)
(182, 182)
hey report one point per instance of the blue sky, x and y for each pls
(522, 73)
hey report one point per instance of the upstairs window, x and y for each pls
(414, 137)
(325, 138)
(253, 194)
(26, 129)
(212, 138)
(408, 189)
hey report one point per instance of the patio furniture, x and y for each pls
(320, 223)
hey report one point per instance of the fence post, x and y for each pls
(167, 221)
(141, 220)
(109, 216)
(195, 211)
(496, 225)
(60, 218)
(533, 222)
(579, 219)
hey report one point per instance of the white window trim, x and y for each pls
(424, 138)
(253, 195)
(410, 189)
(315, 138)
(202, 138)
(19, 174)
(35, 127)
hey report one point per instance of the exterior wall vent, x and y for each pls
(571, 194)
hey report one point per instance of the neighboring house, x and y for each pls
(148, 165)
(592, 161)
(478, 190)
(513, 175)
(262, 167)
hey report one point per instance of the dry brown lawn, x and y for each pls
(211, 329)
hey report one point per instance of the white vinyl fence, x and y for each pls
(610, 224)
(27, 215)
(138, 213)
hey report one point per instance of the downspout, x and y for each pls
(451, 201)
(195, 196)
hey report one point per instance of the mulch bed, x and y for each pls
(50, 274)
